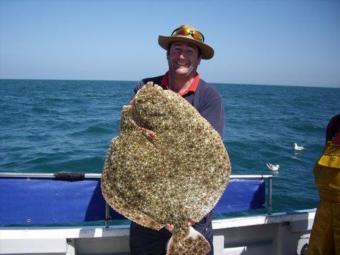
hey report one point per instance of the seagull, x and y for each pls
(298, 147)
(273, 167)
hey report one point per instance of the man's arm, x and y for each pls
(212, 109)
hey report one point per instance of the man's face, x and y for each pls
(183, 58)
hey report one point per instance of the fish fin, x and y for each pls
(193, 243)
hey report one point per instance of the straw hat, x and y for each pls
(187, 33)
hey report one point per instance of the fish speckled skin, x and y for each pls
(175, 173)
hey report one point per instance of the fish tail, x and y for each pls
(192, 243)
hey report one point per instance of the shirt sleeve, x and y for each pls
(139, 85)
(212, 109)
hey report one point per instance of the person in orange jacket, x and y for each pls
(325, 235)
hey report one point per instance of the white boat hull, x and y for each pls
(277, 234)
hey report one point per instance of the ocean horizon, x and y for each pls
(215, 83)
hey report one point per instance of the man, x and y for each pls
(325, 235)
(185, 48)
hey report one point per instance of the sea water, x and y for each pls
(54, 125)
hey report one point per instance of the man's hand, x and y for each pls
(170, 227)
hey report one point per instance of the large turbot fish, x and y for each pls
(167, 166)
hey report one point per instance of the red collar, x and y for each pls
(192, 88)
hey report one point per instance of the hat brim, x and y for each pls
(207, 52)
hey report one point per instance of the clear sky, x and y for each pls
(279, 42)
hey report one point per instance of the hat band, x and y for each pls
(198, 36)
